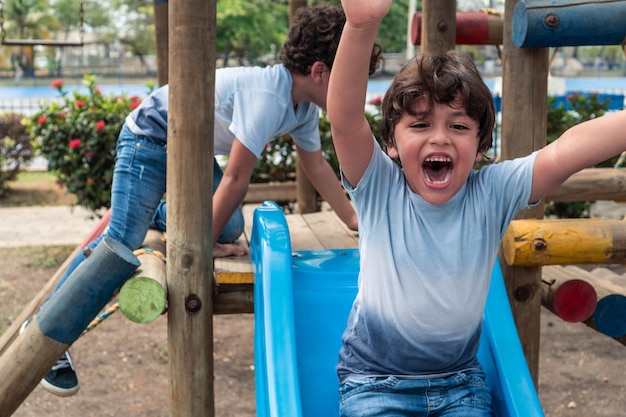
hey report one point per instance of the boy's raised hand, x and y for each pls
(365, 12)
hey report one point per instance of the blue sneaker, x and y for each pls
(62, 379)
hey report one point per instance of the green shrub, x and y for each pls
(16, 150)
(78, 138)
(581, 107)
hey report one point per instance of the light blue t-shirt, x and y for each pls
(425, 269)
(252, 104)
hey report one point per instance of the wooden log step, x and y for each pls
(609, 316)
(533, 242)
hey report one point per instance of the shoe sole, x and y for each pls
(59, 392)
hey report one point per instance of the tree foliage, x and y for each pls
(28, 19)
(250, 28)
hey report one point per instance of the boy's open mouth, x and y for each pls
(437, 170)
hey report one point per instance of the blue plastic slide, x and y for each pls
(301, 303)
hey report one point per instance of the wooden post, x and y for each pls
(439, 25)
(192, 35)
(306, 195)
(524, 124)
(161, 35)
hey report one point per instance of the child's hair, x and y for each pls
(314, 36)
(439, 77)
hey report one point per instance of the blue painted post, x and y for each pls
(545, 23)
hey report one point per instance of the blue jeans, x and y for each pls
(138, 186)
(462, 394)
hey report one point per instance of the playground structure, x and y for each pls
(188, 290)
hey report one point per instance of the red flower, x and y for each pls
(100, 125)
(58, 84)
(79, 103)
(97, 90)
(42, 119)
(134, 104)
(62, 114)
(75, 143)
(376, 101)
(134, 98)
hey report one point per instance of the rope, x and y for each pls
(101, 317)
(116, 305)
(620, 160)
(148, 251)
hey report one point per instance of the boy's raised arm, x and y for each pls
(581, 146)
(351, 133)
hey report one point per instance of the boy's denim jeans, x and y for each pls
(138, 186)
(462, 394)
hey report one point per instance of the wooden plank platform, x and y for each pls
(235, 276)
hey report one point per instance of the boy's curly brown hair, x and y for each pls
(314, 36)
(439, 77)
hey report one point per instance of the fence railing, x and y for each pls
(26, 106)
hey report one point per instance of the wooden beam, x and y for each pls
(609, 317)
(472, 28)
(143, 297)
(40, 42)
(572, 299)
(546, 23)
(592, 184)
(532, 242)
(274, 191)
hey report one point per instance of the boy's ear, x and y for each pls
(317, 70)
(479, 156)
(392, 151)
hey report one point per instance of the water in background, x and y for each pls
(25, 99)
(44, 92)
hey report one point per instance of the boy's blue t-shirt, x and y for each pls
(252, 104)
(425, 269)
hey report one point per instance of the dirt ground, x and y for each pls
(122, 366)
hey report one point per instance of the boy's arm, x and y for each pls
(581, 146)
(351, 133)
(229, 194)
(325, 181)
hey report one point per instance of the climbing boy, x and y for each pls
(430, 225)
(253, 106)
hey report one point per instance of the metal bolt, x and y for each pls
(523, 293)
(551, 20)
(193, 304)
(539, 245)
